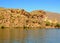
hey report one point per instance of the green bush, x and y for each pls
(48, 23)
(57, 25)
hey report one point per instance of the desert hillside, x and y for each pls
(10, 17)
(52, 16)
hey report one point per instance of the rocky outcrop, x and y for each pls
(21, 18)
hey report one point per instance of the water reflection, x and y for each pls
(29, 35)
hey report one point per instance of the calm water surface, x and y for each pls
(29, 35)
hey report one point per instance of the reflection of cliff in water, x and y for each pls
(20, 35)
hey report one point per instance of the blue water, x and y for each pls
(19, 35)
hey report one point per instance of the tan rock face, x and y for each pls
(21, 18)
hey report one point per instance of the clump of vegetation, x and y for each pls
(57, 25)
(48, 23)
(2, 27)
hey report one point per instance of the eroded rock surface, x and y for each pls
(22, 18)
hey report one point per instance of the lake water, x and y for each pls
(29, 35)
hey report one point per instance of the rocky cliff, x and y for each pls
(21, 18)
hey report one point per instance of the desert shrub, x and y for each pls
(57, 25)
(2, 27)
(48, 23)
